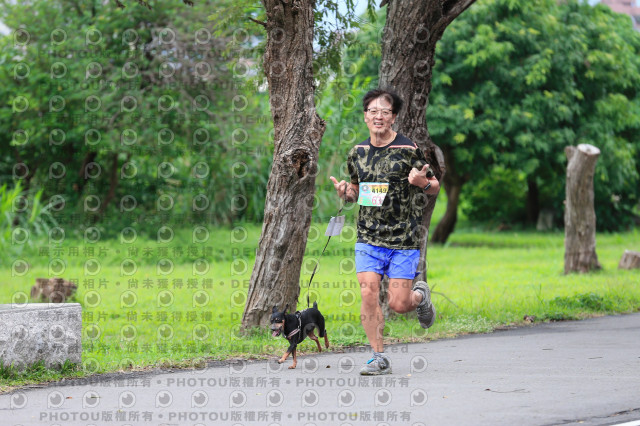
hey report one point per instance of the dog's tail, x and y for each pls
(315, 304)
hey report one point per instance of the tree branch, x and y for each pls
(451, 9)
(76, 6)
(209, 113)
(144, 3)
(264, 24)
(113, 118)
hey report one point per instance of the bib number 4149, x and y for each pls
(372, 193)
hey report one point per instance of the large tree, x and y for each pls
(298, 133)
(101, 100)
(408, 54)
(412, 29)
(288, 65)
(519, 81)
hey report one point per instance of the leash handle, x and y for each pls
(325, 246)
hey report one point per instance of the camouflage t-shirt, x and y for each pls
(396, 223)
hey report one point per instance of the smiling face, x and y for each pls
(379, 124)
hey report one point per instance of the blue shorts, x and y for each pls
(384, 261)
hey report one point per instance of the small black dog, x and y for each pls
(295, 327)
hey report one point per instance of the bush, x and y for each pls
(498, 198)
(22, 215)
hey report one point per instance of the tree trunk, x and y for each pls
(298, 133)
(452, 183)
(533, 201)
(89, 157)
(408, 54)
(579, 215)
(113, 184)
(448, 222)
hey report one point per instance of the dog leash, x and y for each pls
(328, 239)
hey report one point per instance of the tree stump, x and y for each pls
(630, 260)
(545, 220)
(53, 290)
(579, 214)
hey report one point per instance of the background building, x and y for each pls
(628, 7)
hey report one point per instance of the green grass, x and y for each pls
(37, 373)
(183, 318)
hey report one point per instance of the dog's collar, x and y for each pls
(297, 330)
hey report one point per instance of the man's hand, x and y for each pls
(342, 186)
(419, 178)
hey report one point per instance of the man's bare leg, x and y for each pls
(401, 298)
(370, 311)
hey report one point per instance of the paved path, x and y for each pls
(585, 372)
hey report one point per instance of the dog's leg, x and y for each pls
(284, 357)
(295, 360)
(323, 331)
(315, 339)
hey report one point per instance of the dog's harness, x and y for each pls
(297, 330)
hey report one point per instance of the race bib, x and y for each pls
(372, 193)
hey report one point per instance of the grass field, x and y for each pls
(181, 303)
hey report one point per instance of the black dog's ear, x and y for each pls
(275, 309)
(286, 308)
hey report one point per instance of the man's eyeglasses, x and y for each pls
(384, 112)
